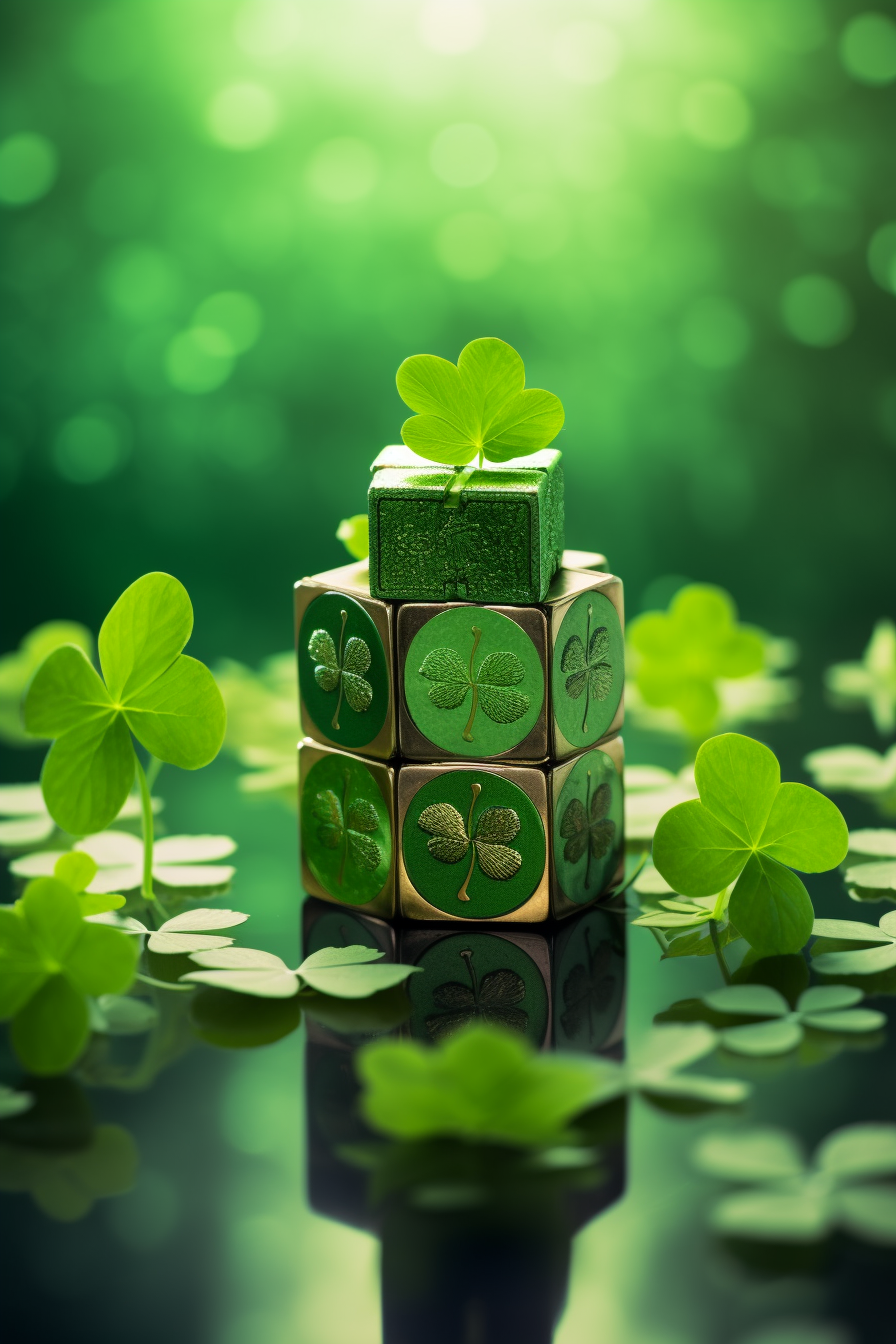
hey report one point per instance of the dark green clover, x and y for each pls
(492, 684)
(586, 664)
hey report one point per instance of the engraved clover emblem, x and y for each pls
(344, 669)
(347, 826)
(588, 989)
(585, 828)
(492, 684)
(451, 839)
(588, 671)
(492, 999)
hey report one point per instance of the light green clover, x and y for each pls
(823, 1007)
(871, 682)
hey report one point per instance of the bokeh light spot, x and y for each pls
(27, 168)
(108, 45)
(91, 445)
(140, 282)
(198, 360)
(868, 48)
(470, 246)
(537, 227)
(716, 114)
(451, 27)
(235, 316)
(786, 173)
(795, 25)
(586, 53)
(242, 116)
(119, 198)
(343, 170)
(464, 155)
(715, 334)
(817, 310)
(267, 29)
(882, 257)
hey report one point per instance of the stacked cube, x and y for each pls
(461, 700)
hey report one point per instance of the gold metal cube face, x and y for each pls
(586, 621)
(587, 843)
(347, 829)
(344, 645)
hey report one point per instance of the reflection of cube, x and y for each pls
(493, 534)
(513, 683)
(345, 655)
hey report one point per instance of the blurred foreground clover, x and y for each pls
(695, 666)
(870, 683)
(858, 770)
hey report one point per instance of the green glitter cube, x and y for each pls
(494, 535)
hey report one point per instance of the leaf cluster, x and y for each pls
(341, 972)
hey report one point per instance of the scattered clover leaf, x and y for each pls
(17, 669)
(588, 671)
(682, 924)
(354, 533)
(492, 685)
(181, 861)
(482, 1083)
(188, 932)
(655, 1068)
(881, 956)
(746, 831)
(13, 1102)
(870, 866)
(66, 1185)
(791, 1200)
(492, 1000)
(823, 1008)
(871, 682)
(476, 408)
(681, 655)
(585, 828)
(858, 770)
(344, 668)
(341, 972)
(650, 791)
(168, 700)
(51, 960)
(347, 825)
(451, 838)
(263, 723)
(31, 823)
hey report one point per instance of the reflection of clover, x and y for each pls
(823, 1007)
(584, 826)
(343, 669)
(490, 1000)
(586, 666)
(491, 685)
(451, 838)
(588, 989)
(347, 826)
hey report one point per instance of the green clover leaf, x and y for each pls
(871, 682)
(344, 668)
(476, 408)
(354, 533)
(859, 770)
(585, 828)
(348, 824)
(492, 685)
(451, 838)
(880, 956)
(339, 972)
(51, 960)
(586, 663)
(168, 700)
(17, 669)
(749, 829)
(823, 1008)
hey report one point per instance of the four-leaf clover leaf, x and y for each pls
(451, 838)
(823, 1007)
(749, 829)
(492, 685)
(149, 688)
(476, 408)
(493, 1000)
(344, 668)
(585, 828)
(585, 662)
(348, 825)
(341, 972)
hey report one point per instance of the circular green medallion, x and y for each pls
(342, 670)
(589, 981)
(346, 837)
(588, 827)
(589, 669)
(477, 977)
(473, 844)
(473, 682)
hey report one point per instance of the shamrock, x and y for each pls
(476, 407)
(354, 533)
(872, 681)
(747, 829)
(871, 874)
(178, 861)
(491, 686)
(451, 839)
(263, 722)
(858, 770)
(493, 1000)
(881, 956)
(589, 673)
(824, 1008)
(343, 669)
(588, 990)
(790, 1199)
(51, 959)
(187, 932)
(18, 667)
(167, 700)
(584, 826)
(348, 826)
(681, 654)
(342, 972)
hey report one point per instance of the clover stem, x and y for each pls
(717, 948)
(588, 828)
(163, 984)
(335, 721)
(468, 731)
(475, 789)
(467, 956)
(146, 809)
(587, 670)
